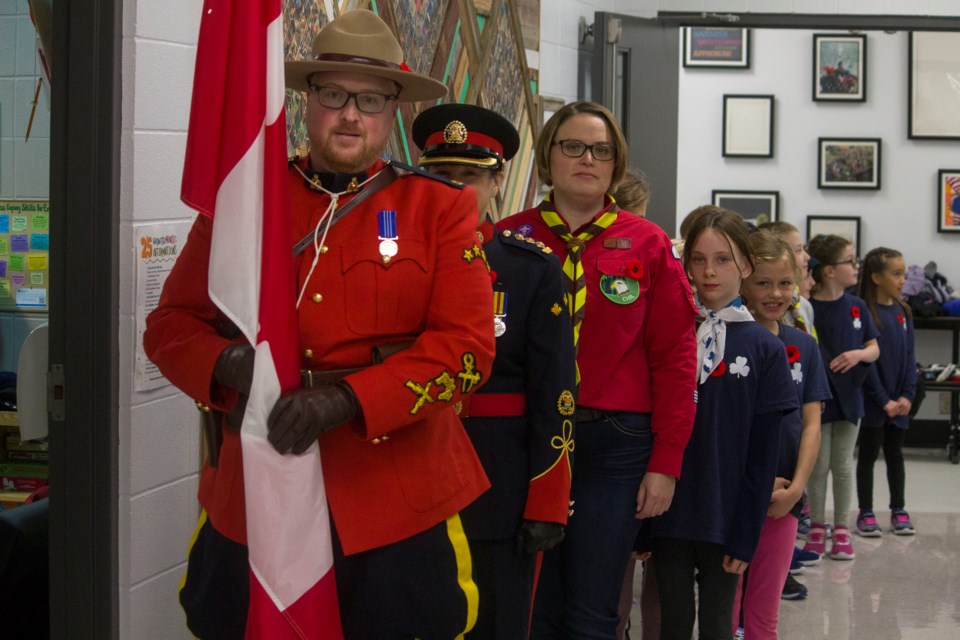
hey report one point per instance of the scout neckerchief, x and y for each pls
(712, 333)
(572, 266)
(796, 313)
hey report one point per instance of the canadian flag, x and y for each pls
(235, 171)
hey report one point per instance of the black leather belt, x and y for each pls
(588, 414)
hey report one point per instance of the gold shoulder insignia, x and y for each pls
(556, 309)
(566, 403)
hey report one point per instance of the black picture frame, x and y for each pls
(839, 67)
(755, 207)
(849, 163)
(716, 47)
(932, 68)
(844, 226)
(948, 201)
(748, 122)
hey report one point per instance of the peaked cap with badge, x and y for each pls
(464, 134)
(360, 41)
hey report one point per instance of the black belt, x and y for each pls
(589, 414)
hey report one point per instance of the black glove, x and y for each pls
(538, 536)
(300, 417)
(234, 367)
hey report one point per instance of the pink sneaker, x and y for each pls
(816, 539)
(841, 549)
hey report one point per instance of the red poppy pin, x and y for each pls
(901, 319)
(793, 353)
(855, 312)
(493, 277)
(404, 67)
(635, 269)
(720, 370)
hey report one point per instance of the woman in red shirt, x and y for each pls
(633, 319)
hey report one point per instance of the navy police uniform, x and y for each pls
(521, 422)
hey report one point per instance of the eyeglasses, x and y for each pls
(602, 151)
(853, 262)
(335, 98)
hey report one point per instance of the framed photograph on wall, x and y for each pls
(948, 209)
(847, 227)
(716, 47)
(839, 67)
(756, 207)
(848, 163)
(933, 71)
(747, 126)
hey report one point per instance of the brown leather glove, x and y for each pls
(300, 417)
(234, 367)
(538, 536)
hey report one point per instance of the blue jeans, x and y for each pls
(579, 587)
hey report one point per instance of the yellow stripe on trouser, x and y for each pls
(461, 551)
(193, 540)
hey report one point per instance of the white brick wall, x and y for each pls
(159, 435)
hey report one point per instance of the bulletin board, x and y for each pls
(24, 255)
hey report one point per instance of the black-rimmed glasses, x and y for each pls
(853, 262)
(602, 151)
(336, 98)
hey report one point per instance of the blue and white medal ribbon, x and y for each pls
(388, 233)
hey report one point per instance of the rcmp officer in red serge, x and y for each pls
(521, 422)
(399, 272)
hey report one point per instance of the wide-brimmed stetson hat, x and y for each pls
(360, 42)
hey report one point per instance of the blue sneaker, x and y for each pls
(803, 527)
(806, 558)
(867, 525)
(795, 567)
(900, 523)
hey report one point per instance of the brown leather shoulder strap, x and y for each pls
(383, 179)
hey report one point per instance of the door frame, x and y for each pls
(84, 303)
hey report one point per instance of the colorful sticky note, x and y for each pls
(40, 242)
(3, 268)
(5, 224)
(4, 288)
(40, 222)
(4, 246)
(17, 279)
(37, 262)
(16, 263)
(19, 223)
(36, 278)
(19, 243)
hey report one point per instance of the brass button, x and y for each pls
(376, 441)
(308, 353)
(386, 259)
(384, 438)
(317, 297)
(324, 249)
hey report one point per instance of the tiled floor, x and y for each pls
(899, 587)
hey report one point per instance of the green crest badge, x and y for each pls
(620, 289)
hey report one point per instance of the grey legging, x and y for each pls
(837, 441)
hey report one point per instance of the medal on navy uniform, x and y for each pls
(499, 313)
(388, 234)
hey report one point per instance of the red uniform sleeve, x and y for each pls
(181, 336)
(670, 339)
(452, 357)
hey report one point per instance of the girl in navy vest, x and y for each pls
(744, 393)
(848, 344)
(890, 389)
(768, 294)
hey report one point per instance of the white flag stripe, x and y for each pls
(276, 80)
(236, 244)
